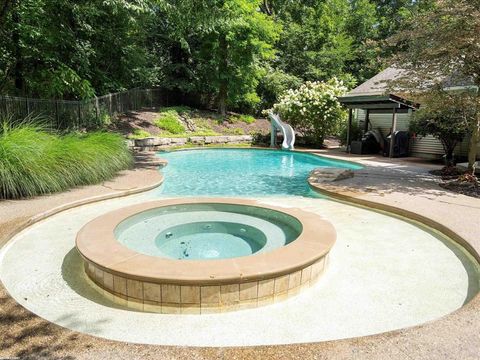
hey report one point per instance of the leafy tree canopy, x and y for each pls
(446, 116)
(440, 48)
(238, 54)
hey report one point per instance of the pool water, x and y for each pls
(207, 231)
(190, 233)
(241, 172)
(210, 240)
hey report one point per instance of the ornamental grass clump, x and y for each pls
(34, 161)
(313, 109)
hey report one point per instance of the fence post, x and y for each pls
(97, 111)
(79, 114)
(56, 113)
(135, 99)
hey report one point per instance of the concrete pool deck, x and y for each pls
(370, 285)
(454, 336)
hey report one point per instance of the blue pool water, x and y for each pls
(241, 172)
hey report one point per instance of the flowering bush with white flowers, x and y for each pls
(313, 109)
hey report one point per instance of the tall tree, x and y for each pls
(392, 14)
(362, 25)
(441, 48)
(315, 44)
(220, 51)
(327, 38)
(64, 49)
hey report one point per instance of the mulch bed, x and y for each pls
(447, 173)
(461, 187)
(144, 119)
(452, 182)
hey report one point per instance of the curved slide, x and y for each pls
(287, 131)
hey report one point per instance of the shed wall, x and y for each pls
(426, 146)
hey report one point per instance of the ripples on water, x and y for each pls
(241, 172)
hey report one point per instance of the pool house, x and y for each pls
(372, 107)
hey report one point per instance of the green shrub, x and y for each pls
(235, 131)
(203, 127)
(275, 84)
(179, 109)
(139, 134)
(34, 161)
(248, 119)
(314, 109)
(170, 122)
(203, 133)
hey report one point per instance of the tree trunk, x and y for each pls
(265, 8)
(4, 9)
(222, 74)
(222, 96)
(472, 151)
(449, 146)
(449, 158)
(18, 69)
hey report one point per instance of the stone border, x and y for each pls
(157, 284)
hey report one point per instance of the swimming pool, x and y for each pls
(241, 172)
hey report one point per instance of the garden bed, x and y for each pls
(453, 179)
(462, 187)
(180, 121)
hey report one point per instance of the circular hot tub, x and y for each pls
(207, 231)
(204, 256)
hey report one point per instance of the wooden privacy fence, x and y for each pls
(91, 113)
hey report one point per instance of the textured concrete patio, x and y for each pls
(404, 184)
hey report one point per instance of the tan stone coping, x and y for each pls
(97, 244)
(155, 284)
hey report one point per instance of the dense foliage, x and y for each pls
(70, 49)
(34, 161)
(241, 54)
(314, 109)
(441, 48)
(445, 115)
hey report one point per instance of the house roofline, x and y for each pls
(376, 101)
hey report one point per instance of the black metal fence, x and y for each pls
(91, 113)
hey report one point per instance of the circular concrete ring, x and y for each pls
(157, 284)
